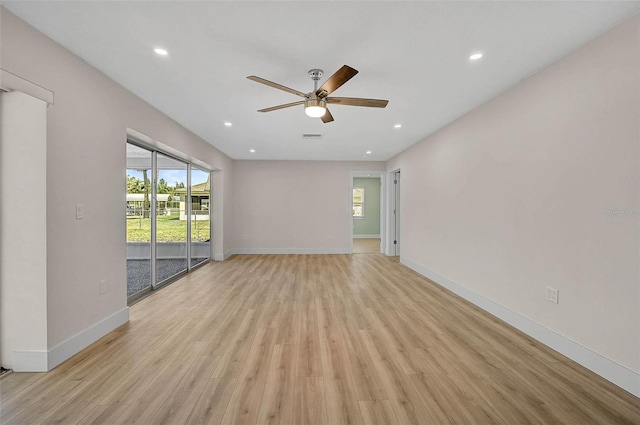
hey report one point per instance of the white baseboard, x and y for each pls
(621, 376)
(229, 253)
(73, 345)
(29, 361)
(291, 251)
(44, 361)
(366, 236)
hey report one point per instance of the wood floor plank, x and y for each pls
(213, 401)
(313, 339)
(179, 403)
(366, 381)
(406, 404)
(146, 404)
(246, 398)
(309, 406)
(42, 407)
(12, 382)
(401, 349)
(237, 346)
(308, 356)
(103, 414)
(224, 326)
(288, 322)
(277, 401)
(32, 395)
(125, 390)
(340, 395)
(76, 407)
(378, 412)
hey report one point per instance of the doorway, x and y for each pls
(367, 233)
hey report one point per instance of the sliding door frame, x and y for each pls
(153, 217)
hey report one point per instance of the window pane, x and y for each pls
(139, 192)
(358, 195)
(358, 201)
(171, 218)
(200, 223)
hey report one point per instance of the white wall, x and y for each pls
(23, 220)
(293, 206)
(86, 135)
(514, 197)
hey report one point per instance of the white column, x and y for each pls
(23, 232)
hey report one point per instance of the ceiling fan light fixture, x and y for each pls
(315, 108)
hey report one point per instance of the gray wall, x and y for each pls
(370, 224)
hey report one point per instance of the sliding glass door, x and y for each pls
(168, 218)
(171, 218)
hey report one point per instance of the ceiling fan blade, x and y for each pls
(357, 101)
(340, 77)
(286, 105)
(275, 85)
(327, 117)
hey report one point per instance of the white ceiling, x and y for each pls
(413, 53)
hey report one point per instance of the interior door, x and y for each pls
(396, 212)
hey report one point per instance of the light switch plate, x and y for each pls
(552, 294)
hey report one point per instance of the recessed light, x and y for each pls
(160, 51)
(475, 56)
(252, 150)
(397, 126)
(368, 152)
(227, 124)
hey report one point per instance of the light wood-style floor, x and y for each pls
(366, 246)
(324, 339)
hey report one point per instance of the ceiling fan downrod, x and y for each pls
(315, 74)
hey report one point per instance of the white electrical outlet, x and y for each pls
(79, 211)
(552, 294)
(103, 286)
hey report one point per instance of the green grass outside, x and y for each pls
(170, 229)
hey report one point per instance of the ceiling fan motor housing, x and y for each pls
(314, 101)
(315, 107)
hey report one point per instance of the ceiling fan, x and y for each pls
(315, 102)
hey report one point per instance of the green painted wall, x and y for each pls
(370, 224)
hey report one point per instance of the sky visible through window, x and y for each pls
(175, 176)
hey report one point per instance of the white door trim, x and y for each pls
(389, 207)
